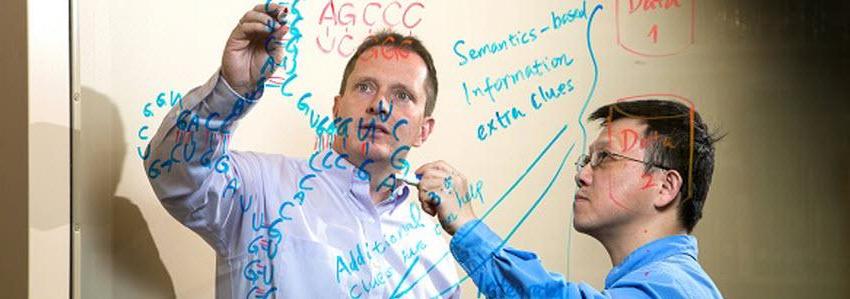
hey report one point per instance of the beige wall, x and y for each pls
(49, 150)
(777, 223)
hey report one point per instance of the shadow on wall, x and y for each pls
(117, 245)
(776, 222)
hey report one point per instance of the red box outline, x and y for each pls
(630, 50)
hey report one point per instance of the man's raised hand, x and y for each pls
(252, 42)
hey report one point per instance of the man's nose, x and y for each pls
(380, 105)
(583, 177)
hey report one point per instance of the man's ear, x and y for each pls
(425, 130)
(671, 183)
(335, 109)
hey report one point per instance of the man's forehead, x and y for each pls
(613, 131)
(389, 55)
(625, 123)
(382, 62)
(603, 140)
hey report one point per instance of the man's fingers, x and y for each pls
(431, 186)
(271, 25)
(433, 183)
(422, 168)
(430, 197)
(276, 12)
(442, 165)
(250, 29)
(430, 170)
(439, 164)
(272, 9)
(280, 32)
(274, 44)
(429, 209)
(434, 175)
(277, 50)
(426, 203)
(253, 31)
(253, 16)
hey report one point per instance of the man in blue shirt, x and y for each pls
(640, 193)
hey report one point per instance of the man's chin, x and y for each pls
(374, 151)
(581, 227)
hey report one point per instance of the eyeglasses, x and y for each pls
(596, 158)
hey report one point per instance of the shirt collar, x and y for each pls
(358, 183)
(397, 197)
(651, 252)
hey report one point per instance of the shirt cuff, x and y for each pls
(226, 88)
(220, 104)
(473, 244)
(223, 96)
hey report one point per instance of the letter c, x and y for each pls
(404, 16)
(310, 162)
(367, 8)
(211, 117)
(325, 163)
(339, 158)
(398, 124)
(351, 292)
(141, 130)
(304, 180)
(339, 47)
(387, 22)
(282, 206)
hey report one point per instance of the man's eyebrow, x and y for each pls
(404, 87)
(364, 78)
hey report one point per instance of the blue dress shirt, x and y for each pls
(664, 268)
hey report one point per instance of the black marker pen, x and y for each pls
(411, 181)
(281, 16)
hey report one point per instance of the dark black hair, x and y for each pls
(681, 144)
